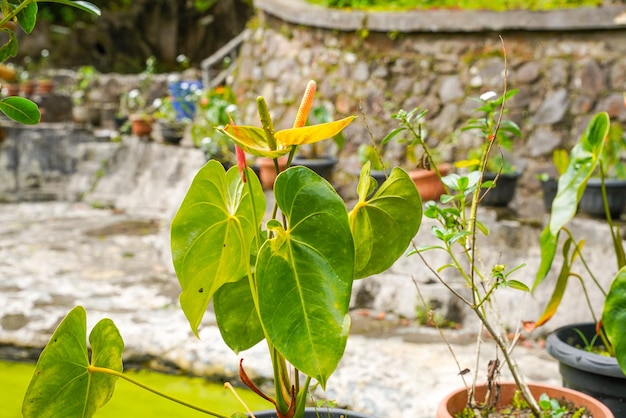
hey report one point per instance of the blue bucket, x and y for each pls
(184, 99)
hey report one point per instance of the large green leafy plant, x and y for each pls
(24, 12)
(587, 157)
(285, 280)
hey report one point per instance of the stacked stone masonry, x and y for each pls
(563, 76)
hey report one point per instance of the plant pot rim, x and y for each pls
(597, 408)
(444, 169)
(489, 175)
(323, 412)
(566, 353)
(319, 159)
(597, 182)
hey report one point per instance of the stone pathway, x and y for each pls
(56, 255)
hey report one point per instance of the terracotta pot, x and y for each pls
(456, 401)
(28, 88)
(267, 170)
(428, 183)
(45, 86)
(141, 126)
(11, 89)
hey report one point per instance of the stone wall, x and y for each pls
(366, 66)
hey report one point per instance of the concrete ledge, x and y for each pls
(304, 13)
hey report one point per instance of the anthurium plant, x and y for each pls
(587, 157)
(24, 13)
(285, 279)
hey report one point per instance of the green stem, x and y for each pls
(584, 261)
(615, 236)
(15, 11)
(95, 369)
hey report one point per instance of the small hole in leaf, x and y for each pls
(201, 290)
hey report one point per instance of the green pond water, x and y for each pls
(130, 401)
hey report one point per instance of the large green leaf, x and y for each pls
(85, 6)
(20, 110)
(236, 316)
(614, 317)
(62, 385)
(384, 225)
(305, 273)
(27, 17)
(211, 235)
(10, 47)
(583, 160)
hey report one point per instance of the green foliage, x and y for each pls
(63, 380)
(214, 108)
(583, 160)
(551, 407)
(287, 281)
(492, 128)
(614, 317)
(593, 152)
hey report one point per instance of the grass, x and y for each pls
(130, 401)
(498, 5)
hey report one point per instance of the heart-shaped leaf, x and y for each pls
(62, 385)
(20, 110)
(305, 272)
(10, 47)
(384, 225)
(236, 316)
(211, 235)
(27, 17)
(614, 317)
(85, 6)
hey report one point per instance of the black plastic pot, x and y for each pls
(590, 373)
(549, 188)
(591, 201)
(503, 193)
(324, 166)
(319, 412)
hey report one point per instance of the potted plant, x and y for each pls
(171, 128)
(497, 165)
(459, 233)
(607, 332)
(614, 180)
(184, 95)
(215, 108)
(82, 111)
(285, 281)
(140, 115)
